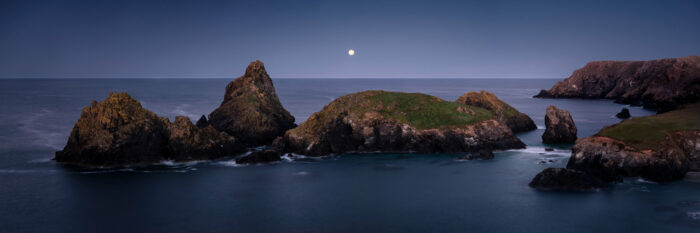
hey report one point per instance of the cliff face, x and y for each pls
(119, 131)
(251, 110)
(506, 114)
(662, 84)
(374, 121)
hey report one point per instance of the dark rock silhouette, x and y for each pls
(251, 110)
(662, 84)
(511, 117)
(202, 122)
(566, 179)
(623, 114)
(560, 127)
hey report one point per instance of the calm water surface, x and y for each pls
(348, 193)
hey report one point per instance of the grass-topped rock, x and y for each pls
(511, 117)
(660, 148)
(382, 121)
(251, 110)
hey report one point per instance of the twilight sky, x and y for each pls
(310, 39)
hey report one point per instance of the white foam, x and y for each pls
(172, 163)
(694, 215)
(541, 150)
(301, 173)
(40, 160)
(230, 163)
(540, 127)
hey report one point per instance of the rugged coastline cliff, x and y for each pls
(662, 84)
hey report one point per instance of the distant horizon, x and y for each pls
(440, 38)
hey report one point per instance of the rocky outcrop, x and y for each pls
(661, 148)
(506, 114)
(612, 159)
(188, 142)
(373, 121)
(566, 179)
(258, 157)
(560, 127)
(202, 122)
(623, 114)
(251, 110)
(119, 131)
(662, 84)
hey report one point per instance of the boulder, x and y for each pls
(506, 114)
(560, 127)
(662, 84)
(566, 179)
(381, 121)
(251, 110)
(258, 157)
(623, 114)
(119, 131)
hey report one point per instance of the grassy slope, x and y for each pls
(418, 110)
(648, 132)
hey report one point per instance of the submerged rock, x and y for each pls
(506, 114)
(119, 131)
(560, 127)
(623, 114)
(482, 154)
(662, 84)
(373, 121)
(566, 179)
(659, 148)
(257, 157)
(251, 110)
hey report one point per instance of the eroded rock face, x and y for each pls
(251, 110)
(188, 142)
(373, 121)
(612, 159)
(119, 131)
(560, 127)
(662, 84)
(511, 117)
(566, 179)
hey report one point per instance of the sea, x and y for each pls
(341, 193)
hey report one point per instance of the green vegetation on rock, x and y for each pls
(649, 132)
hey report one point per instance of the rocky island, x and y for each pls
(119, 131)
(559, 126)
(506, 114)
(372, 121)
(661, 148)
(662, 84)
(251, 110)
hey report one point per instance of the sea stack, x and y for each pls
(382, 121)
(119, 131)
(506, 114)
(251, 110)
(560, 127)
(662, 84)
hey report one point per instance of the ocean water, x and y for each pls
(345, 193)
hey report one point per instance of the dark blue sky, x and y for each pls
(455, 39)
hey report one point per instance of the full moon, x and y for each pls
(351, 52)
